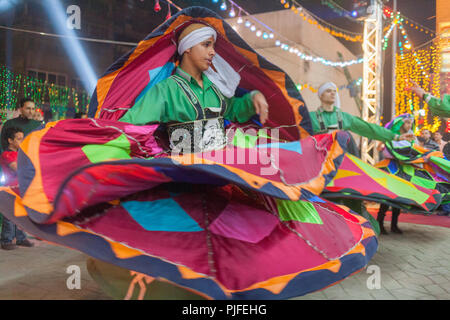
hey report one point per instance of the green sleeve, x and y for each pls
(366, 129)
(152, 107)
(240, 109)
(438, 107)
(314, 122)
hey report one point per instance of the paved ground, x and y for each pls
(415, 265)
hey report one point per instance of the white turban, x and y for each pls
(225, 79)
(330, 85)
(196, 37)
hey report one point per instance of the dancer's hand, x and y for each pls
(416, 89)
(407, 136)
(261, 106)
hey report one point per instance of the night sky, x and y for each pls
(422, 11)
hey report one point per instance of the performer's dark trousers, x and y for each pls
(382, 213)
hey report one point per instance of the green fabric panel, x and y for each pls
(394, 184)
(262, 134)
(397, 155)
(243, 140)
(373, 222)
(429, 184)
(441, 163)
(408, 169)
(299, 211)
(115, 149)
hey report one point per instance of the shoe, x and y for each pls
(395, 229)
(8, 246)
(25, 243)
(380, 220)
(383, 230)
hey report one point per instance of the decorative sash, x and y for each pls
(207, 132)
(332, 127)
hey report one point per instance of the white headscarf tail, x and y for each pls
(225, 79)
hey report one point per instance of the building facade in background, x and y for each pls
(311, 41)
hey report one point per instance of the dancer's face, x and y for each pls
(201, 54)
(407, 125)
(328, 96)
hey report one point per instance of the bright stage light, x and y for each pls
(73, 47)
(7, 4)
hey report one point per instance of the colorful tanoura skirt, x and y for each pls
(243, 222)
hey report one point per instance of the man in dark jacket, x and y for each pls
(24, 121)
(426, 141)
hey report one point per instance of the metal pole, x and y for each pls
(372, 77)
(394, 55)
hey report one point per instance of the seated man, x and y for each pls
(195, 94)
(426, 141)
(437, 137)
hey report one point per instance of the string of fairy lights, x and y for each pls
(387, 12)
(423, 67)
(341, 11)
(352, 86)
(411, 63)
(59, 98)
(321, 24)
(264, 31)
(404, 42)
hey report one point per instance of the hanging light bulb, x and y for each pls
(223, 6)
(253, 28)
(215, 1)
(169, 13)
(258, 33)
(265, 35)
(271, 36)
(232, 13)
(240, 20)
(277, 43)
(248, 24)
(157, 7)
